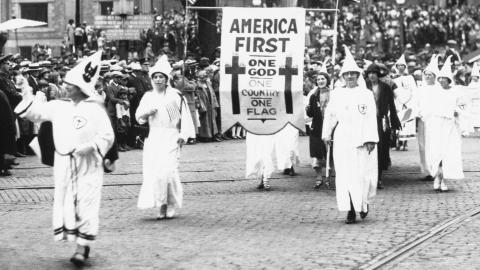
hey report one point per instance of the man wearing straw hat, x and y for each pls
(351, 122)
(82, 135)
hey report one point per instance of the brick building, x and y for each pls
(56, 14)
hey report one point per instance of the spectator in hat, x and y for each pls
(315, 108)
(387, 119)
(138, 82)
(32, 76)
(7, 134)
(123, 120)
(207, 108)
(149, 55)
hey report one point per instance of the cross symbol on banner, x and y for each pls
(288, 71)
(235, 69)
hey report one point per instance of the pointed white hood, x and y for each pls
(85, 74)
(349, 63)
(446, 70)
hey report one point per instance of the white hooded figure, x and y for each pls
(170, 122)
(82, 135)
(405, 101)
(444, 124)
(351, 122)
(472, 93)
(425, 93)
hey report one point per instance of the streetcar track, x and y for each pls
(390, 258)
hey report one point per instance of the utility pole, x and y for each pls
(77, 12)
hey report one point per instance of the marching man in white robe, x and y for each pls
(351, 122)
(425, 94)
(171, 125)
(82, 135)
(444, 126)
(405, 96)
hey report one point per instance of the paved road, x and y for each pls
(231, 225)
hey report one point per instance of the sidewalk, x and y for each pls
(230, 224)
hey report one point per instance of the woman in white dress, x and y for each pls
(445, 122)
(170, 121)
(351, 122)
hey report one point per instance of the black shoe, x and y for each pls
(286, 172)
(5, 172)
(19, 155)
(364, 214)
(292, 172)
(261, 186)
(380, 184)
(428, 178)
(351, 217)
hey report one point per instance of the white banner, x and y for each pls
(261, 67)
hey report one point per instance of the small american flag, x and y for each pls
(173, 111)
(192, 2)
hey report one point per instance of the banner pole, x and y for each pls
(334, 48)
(185, 45)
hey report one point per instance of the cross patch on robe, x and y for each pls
(79, 122)
(362, 108)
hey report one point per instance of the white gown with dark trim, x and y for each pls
(78, 179)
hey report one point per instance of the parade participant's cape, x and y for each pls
(261, 67)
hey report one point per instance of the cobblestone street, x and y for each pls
(226, 223)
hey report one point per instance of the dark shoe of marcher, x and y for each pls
(351, 217)
(380, 184)
(261, 186)
(286, 171)
(19, 155)
(292, 172)
(162, 214)
(79, 258)
(364, 214)
(428, 178)
(5, 173)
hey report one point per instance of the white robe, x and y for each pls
(85, 123)
(405, 101)
(260, 159)
(353, 112)
(286, 147)
(161, 152)
(443, 142)
(425, 94)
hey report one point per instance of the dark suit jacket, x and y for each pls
(111, 99)
(7, 86)
(385, 104)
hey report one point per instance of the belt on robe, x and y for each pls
(74, 177)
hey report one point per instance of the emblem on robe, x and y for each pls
(362, 108)
(79, 122)
(89, 72)
(461, 106)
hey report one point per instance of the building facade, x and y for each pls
(57, 13)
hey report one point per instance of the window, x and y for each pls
(34, 11)
(106, 7)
